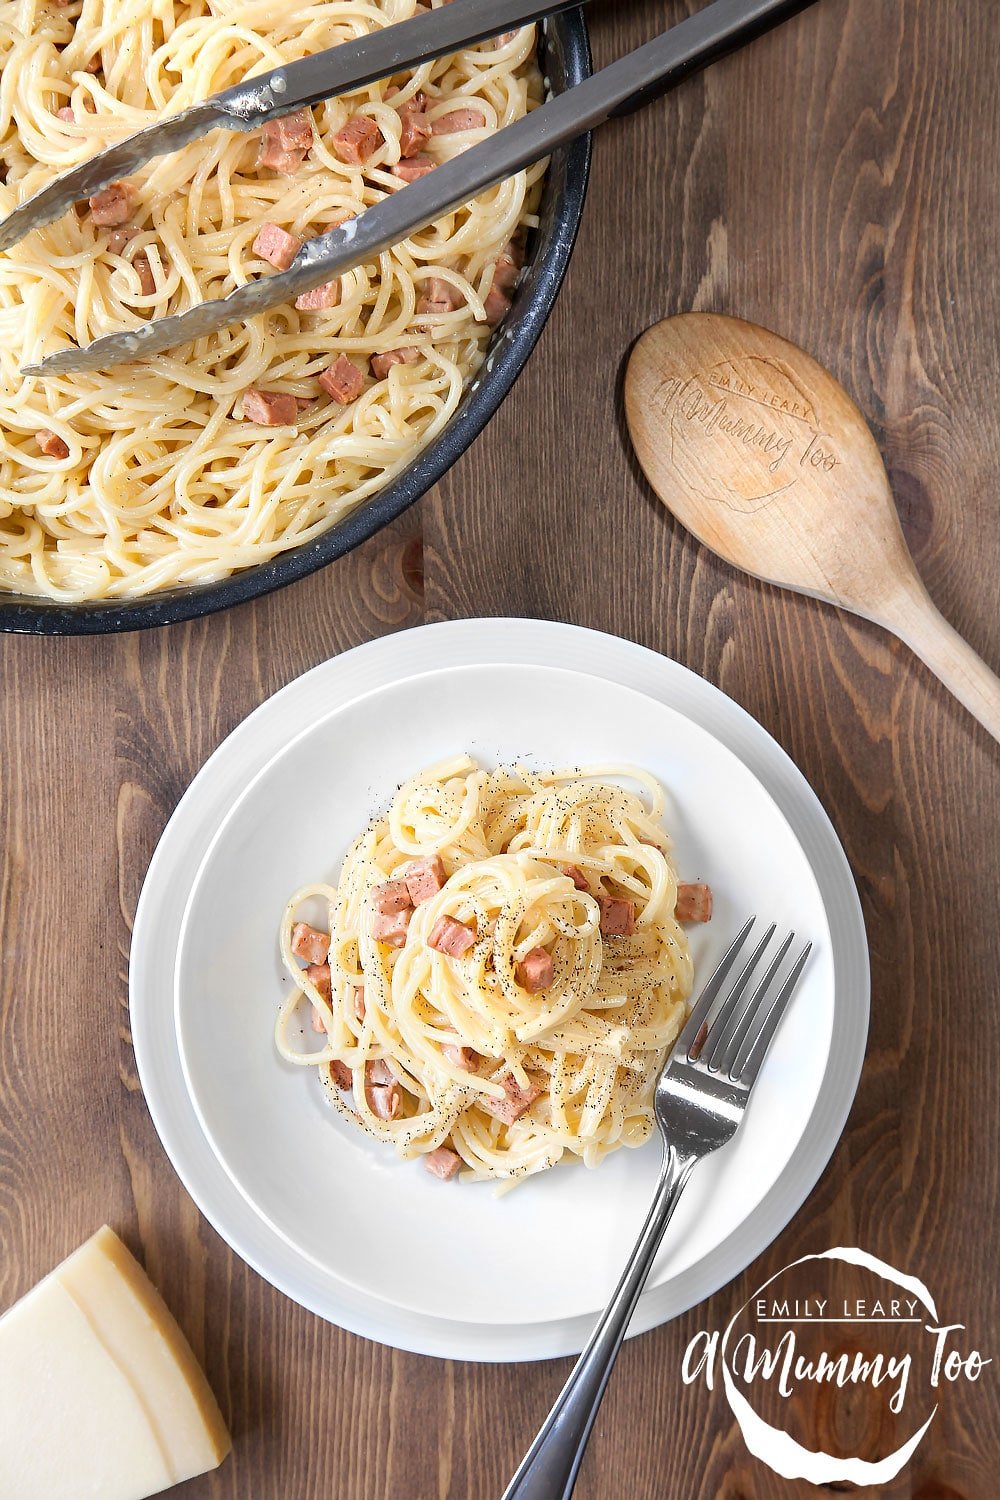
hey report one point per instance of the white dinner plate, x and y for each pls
(342, 1200)
(333, 1218)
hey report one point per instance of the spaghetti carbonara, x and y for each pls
(224, 452)
(502, 969)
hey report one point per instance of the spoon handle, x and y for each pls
(916, 620)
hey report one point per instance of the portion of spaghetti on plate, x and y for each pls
(503, 968)
(224, 452)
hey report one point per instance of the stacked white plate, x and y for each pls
(330, 1217)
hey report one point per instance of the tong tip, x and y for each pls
(66, 362)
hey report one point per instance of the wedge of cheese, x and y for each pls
(100, 1395)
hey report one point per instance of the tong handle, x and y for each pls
(248, 105)
(622, 86)
(695, 41)
(377, 54)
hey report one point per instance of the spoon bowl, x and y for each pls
(760, 453)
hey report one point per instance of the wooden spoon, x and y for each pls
(759, 452)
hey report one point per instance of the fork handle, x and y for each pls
(549, 1468)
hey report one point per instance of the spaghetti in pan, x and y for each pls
(252, 441)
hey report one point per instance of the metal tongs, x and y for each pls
(617, 89)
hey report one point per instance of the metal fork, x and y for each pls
(700, 1100)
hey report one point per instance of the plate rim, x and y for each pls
(523, 642)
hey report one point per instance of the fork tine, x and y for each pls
(720, 1024)
(750, 1057)
(699, 1015)
(727, 1047)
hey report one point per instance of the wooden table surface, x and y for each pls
(838, 182)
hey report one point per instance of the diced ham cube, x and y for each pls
(438, 296)
(318, 1024)
(617, 917)
(325, 295)
(309, 943)
(341, 1074)
(343, 381)
(442, 1163)
(391, 928)
(694, 902)
(319, 975)
(382, 363)
(391, 896)
(357, 141)
(458, 119)
(577, 876)
(415, 128)
(535, 971)
(284, 142)
(378, 1071)
(496, 305)
(113, 205)
(436, 289)
(295, 131)
(508, 267)
(269, 408)
(414, 167)
(51, 443)
(275, 156)
(276, 245)
(359, 1001)
(65, 112)
(119, 238)
(147, 281)
(383, 1101)
(451, 937)
(515, 1102)
(423, 879)
(461, 1057)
